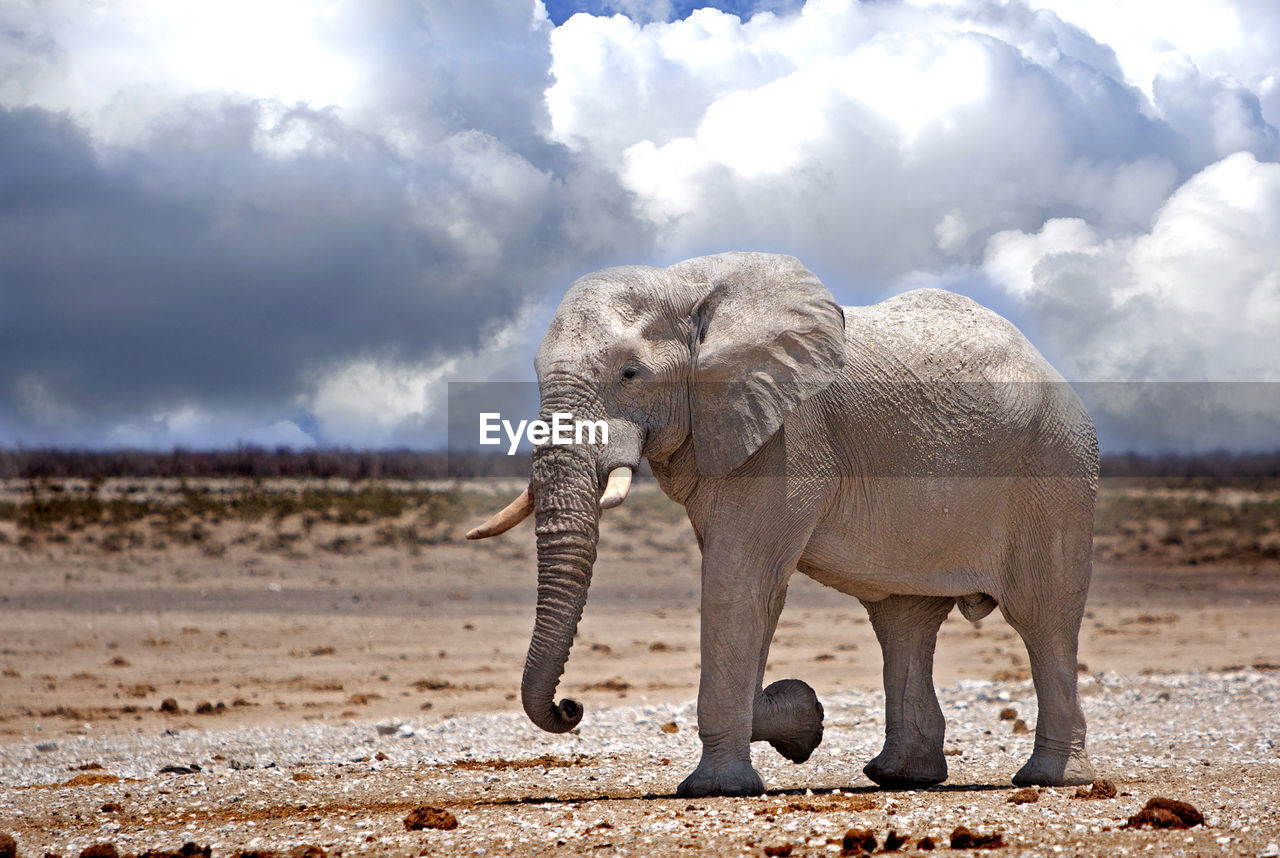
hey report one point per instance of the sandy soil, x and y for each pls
(235, 653)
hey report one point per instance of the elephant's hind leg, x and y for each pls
(907, 628)
(1059, 758)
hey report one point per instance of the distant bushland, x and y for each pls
(404, 464)
(257, 463)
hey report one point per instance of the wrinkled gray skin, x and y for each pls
(916, 454)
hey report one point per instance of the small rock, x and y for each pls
(1026, 795)
(430, 817)
(46, 747)
(188, 850)
(782, 850)
(100, 850)
(893, 841)
(170, 706)
(963, 838)
(1161, 812)
(1008, 713)
(1020, 726)
(240, 765)
(179, 769)
(926, 843)
(857, 841)
(8, 846)
(110, 807)
(1099, 790)
(671, 727)
(388, 729)
(405, 732)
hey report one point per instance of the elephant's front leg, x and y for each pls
(787, 714)
(740, 601)
(907, 628)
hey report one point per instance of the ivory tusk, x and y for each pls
(511, 515)
(615, 490)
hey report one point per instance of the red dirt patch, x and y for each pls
(1100, 789)
(430, 817)
(1161, 812)
(546, 761)
(856, 841)
(88, 779)
(963, 838)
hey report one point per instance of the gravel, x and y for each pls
(1206, 738)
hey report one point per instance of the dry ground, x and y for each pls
(283, 635)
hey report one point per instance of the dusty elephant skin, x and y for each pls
(915, 454)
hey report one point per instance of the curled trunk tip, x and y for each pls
(554, 718)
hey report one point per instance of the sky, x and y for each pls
(295, 222)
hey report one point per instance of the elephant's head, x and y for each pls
(713, 353)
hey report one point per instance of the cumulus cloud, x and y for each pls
(374, 402)
(192, 426)
(646, 11)
(1194, 301)
(1195, 298)
(1105, 185)
(1230, 39)
(873, 139)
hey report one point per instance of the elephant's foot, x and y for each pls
(904, 767)
(734, 778)
(788, 715)
(1049, 769)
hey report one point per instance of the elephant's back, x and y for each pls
(933, 334)
(945, 366)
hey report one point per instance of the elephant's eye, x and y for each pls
(629, 372)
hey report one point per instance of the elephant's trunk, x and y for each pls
(567, 518)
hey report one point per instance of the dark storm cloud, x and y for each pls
(201, 266)
(240, 247)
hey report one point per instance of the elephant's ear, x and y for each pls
(766, 337)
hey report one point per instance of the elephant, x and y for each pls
(918, 454)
